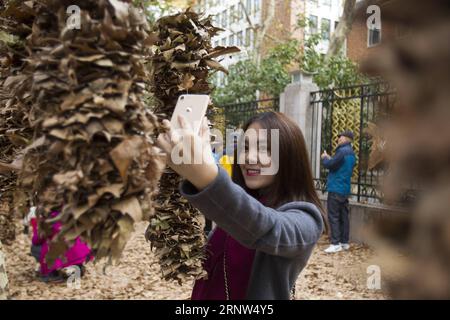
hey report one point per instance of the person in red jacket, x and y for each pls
(76, 255)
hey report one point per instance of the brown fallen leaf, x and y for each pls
(131, 207)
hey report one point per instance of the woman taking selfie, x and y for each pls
(267, 225)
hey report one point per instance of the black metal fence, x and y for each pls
(237, 114)
(358, 108)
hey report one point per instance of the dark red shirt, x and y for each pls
(238, 262)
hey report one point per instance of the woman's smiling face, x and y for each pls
(250, 161)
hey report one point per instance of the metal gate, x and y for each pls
(360, 109)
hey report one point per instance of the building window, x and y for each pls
(224, 42)
(256, 6)
(216, 19)
(326, 3)
(248, 6)
(325, 28)
(231, 40)
(240, 11)
(314, 2)
(232, 14)
(373, 37)
(253, 38)
(216, 43)
(239, 40)
(247, 37)
(313, 24)
(224, 19)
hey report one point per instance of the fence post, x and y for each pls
(295, 102)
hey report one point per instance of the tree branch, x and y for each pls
(265, 27)
(343, 29)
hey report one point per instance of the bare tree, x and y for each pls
(260, 30)
(343, 28)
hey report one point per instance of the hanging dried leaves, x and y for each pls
(93, 157)
(176, 233)
(184, 58)
(418, 141)
(182, 62)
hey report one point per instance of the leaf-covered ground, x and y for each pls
(339, 276)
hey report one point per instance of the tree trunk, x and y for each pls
(260, 30)
(263, 30)
(3, 276)
(343, 28)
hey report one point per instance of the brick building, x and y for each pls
(242, 20)
(362, 42)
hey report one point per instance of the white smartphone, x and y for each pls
(193, 107)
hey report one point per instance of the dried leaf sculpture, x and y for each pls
(418, 141)
(16, 18)
(93, 158)
(182, 62)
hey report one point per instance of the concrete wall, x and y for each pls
(364, 216)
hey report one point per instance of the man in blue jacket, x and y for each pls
(340, 168)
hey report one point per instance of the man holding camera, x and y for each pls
(340, 168)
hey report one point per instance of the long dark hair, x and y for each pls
(294, 179)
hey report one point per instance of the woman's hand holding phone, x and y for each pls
(175, 142)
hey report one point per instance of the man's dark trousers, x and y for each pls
(338, 212)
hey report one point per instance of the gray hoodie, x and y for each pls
(283, 238)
